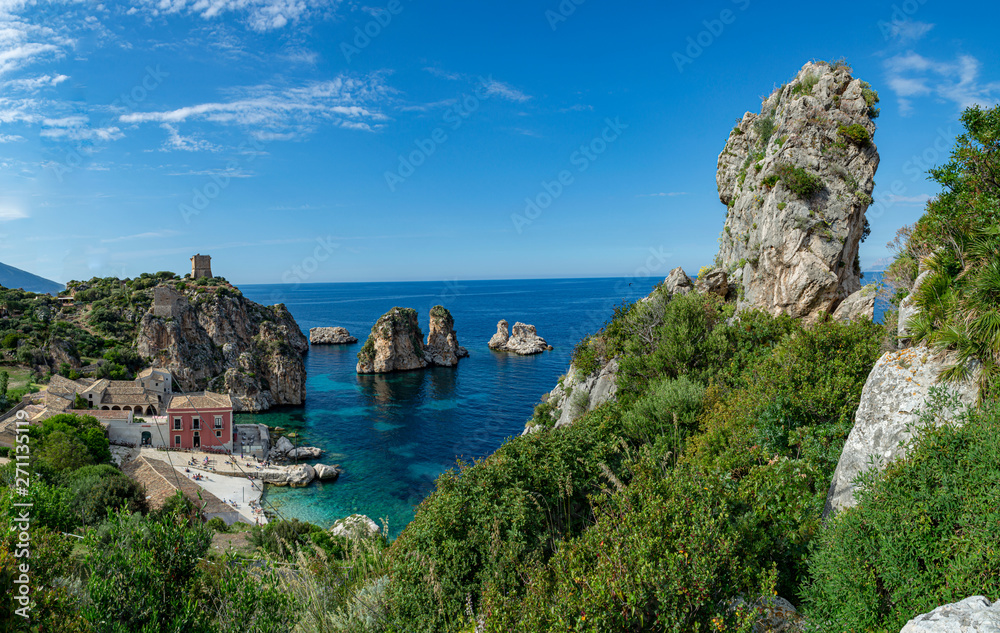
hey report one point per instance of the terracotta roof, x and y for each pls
(129, 398)
(202, 400)
(149, 371)
(162, 481)
(98, 386)
(101, 414)
(121, 387)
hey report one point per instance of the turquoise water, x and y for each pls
(394, 434)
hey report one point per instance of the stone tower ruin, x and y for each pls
(201, 266)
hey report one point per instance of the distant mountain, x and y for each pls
(11, 277)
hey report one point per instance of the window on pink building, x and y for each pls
(218, 421)
(177, 424)
(195, 423)
(177, 440)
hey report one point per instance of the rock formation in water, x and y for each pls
(214, 338)
(897, 390)
(330, 336)
(797, 179)
(442, 342)
(396, 343)
(522, 339)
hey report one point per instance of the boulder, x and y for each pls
(677, 282)
(304, 452)
(779, 615)
(715, 282)
(858, 305)
(294, 476)
(972, 615)
(523, 340)
(281, 447)
(499, 340)
(327, 473)
(330, 336)
(897, 390)
(797, 179)
(442, 342)
(356, 526)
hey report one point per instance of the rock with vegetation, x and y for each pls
(211, 337)
(714, 281)
(523, 339)
(442, 342)
(900, 386)
(578, 392)
(396, 343)
(972, 615)
(796, 180)
(330, 336)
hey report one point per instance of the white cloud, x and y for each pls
(260, 15)
(185, 143)
(912, 75)
(34, 84)
(506, 91)
(10, 138)
(345, 102)
(442, 74)
(908, 30)
(75, 128)
(142, 236)
(11, 213)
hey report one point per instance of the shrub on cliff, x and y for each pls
(924, 533)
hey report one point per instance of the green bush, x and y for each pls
(799, 181)
(924, 533)
(855, 133)
(805, 87)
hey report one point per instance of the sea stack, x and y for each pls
(396, 343)
(330, 336)
(797, 179)
(523, 339)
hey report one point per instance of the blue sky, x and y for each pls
(317, 140)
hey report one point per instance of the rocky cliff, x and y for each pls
(578, 393)
(797, 179)
(396, 343)
(215, 338)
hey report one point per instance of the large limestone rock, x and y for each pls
(295, 476)
(281, 448)
(327, 473)
(715, 282)
(577, 394)
(972, 615)
(896, 391)
(356, 526)
(523, 339)
(858, 305)
(797, 179)
(442, 342)
(396, 343)
(677, 282)
(221, 341)
(330, 336)
(304, 452)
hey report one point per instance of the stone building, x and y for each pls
(201, 266)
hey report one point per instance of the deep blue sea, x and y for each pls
(394, 434)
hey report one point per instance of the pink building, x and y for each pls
(201, 420)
